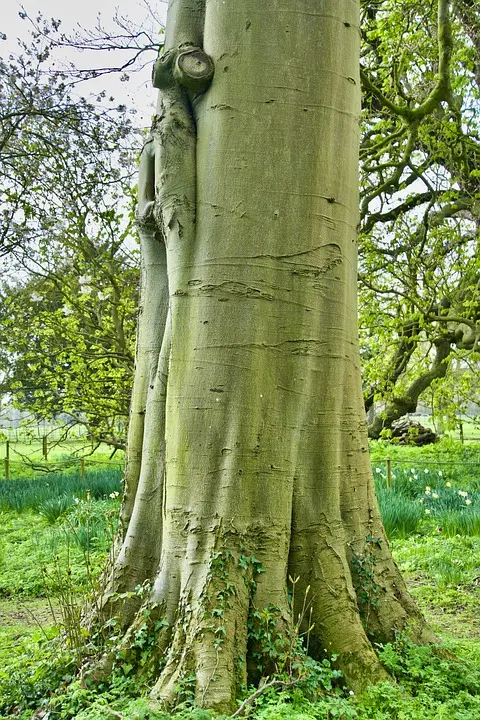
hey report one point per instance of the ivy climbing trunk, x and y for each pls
(248, 461)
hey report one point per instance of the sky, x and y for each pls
(137, 92)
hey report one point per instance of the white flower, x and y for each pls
(67, 310)
(86, 289)
(378, 470)
(425, 470)
(427, 511)
(114, 495)
(412, 470)
(428, 490)
(350, 692)
(440, 473)
(468, 502)
(36, 297)
(76, 501)
(421, 500)
(103, 295)
(435, 496)
(448, 484)
(84, 279)
(463, 493)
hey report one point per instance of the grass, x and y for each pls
(59, 489)
(34, 552)
(428, 498)
(48, 536)
(26, 459)
(401, 515)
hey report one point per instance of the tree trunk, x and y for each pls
(250, 463)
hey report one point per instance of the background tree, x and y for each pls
(67, 338)
(420, 198)
(69, 283)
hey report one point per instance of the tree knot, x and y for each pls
(189, 66)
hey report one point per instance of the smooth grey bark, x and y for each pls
(253, 442)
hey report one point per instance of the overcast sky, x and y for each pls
(86, 14)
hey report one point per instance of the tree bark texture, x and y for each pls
(247, 453)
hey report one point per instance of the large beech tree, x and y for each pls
(247, 448)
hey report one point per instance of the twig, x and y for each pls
(35, 619)
(251, 699)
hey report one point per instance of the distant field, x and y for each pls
(26, 459)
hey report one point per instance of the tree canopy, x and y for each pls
(70, 285)
(419, 202)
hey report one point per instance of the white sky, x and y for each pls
(138, 91)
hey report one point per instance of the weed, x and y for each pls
(27, 680)
(363, 571)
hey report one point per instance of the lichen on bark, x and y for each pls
(247, 417)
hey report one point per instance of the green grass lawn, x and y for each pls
(27, 460)
(52, 550)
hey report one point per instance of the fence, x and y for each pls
(82, 463)
(388, 463)
(45, 445)
(57, 465)
(35, 433)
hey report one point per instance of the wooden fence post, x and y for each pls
(45, 447)
(389, 472)
(7, 468)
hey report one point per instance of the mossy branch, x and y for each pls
(440, 92)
